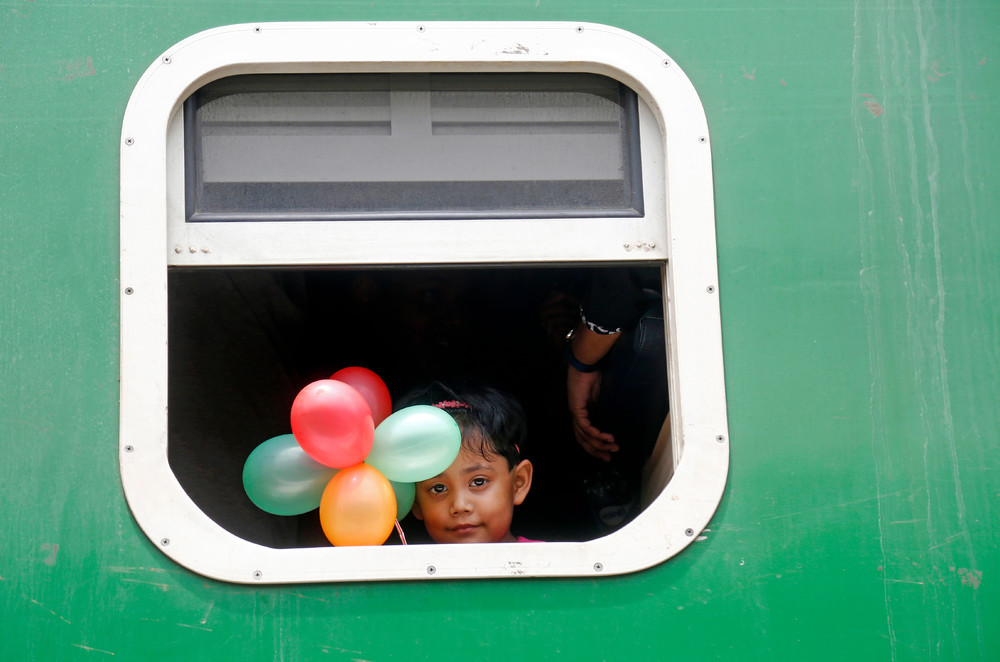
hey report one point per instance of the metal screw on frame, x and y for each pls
(689, 532)
(431, 570)
(598, 567)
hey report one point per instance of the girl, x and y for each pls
(473, 500)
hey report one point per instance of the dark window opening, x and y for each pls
(387, 146)
(243, 341)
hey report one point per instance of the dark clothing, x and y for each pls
(616, 298)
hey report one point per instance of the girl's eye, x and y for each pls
(437, 489)
(478, 481)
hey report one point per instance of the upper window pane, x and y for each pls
(317, 147)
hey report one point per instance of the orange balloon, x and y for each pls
(358, 507)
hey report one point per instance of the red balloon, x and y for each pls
(333, 423)
(369, 385)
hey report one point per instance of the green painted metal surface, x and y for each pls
(855, 156)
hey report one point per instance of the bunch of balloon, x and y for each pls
(351, 458)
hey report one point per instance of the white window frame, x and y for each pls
(677, 231)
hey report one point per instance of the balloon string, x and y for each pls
(399, 530)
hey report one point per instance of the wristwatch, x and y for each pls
(573, 361)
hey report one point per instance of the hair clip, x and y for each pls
(451, 404)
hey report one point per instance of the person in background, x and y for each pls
(616, 386)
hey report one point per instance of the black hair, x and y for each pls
(492, 421)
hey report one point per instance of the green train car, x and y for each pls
(206, 206)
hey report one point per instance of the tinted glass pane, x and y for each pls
(412, 145)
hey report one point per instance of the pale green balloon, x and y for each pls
(405, 495)
(415, 444)
(281, 479)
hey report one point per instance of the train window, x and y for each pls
(521, 161)
(329, 146)
(410, 326)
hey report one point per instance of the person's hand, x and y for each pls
(582, 389)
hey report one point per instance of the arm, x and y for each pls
(582, 389)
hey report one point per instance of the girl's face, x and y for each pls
(472, 500)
